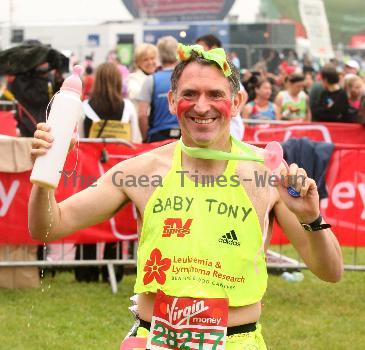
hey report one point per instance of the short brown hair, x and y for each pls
(296, 78)
(330, 74)
(234, 78)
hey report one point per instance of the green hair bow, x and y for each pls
(216, 55)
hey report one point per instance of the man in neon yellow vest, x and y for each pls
(201, 271)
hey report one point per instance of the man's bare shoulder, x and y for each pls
(156, 161)
(256, 176)
(248, 166)
(258, 150)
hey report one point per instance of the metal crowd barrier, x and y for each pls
(126, 254)
(277, 260)
(8, 106)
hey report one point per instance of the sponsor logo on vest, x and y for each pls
(175, 225)
(230, 238)
(179, 316)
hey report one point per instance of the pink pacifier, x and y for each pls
(134, 343)
(273, 157)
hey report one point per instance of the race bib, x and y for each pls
(188, 323)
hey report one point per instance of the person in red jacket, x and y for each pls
(87, 82)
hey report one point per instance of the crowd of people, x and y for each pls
(195, 94)
(298, 93)
(195, 256)
(332, 94)
(130, 102)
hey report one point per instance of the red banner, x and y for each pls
(337, 133)
(15, 190)
(7, 123)
(344, 209)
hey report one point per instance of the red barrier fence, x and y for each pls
(344, 209)
(345, 206)
(7, 123)
(337, 133)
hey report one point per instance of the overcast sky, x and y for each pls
(30, 12)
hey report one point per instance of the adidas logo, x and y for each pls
(230, 238)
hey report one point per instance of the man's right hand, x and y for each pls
(43, 140)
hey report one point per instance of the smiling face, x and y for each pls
(264, 90)
(148, 62)
(204, 104)
(355, 89)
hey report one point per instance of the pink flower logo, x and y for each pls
(155, 268)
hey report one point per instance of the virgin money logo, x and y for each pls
(179, 315)
(176, 226)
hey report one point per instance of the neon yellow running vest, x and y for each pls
(201, 240)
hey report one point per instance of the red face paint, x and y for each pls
(183, 106)
(223, 107)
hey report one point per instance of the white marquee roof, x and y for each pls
(63, 12)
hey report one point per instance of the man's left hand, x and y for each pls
(305, 207)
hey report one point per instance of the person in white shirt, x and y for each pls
(145, 61)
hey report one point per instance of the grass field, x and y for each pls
(69, 315)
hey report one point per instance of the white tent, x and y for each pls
(56, 12)
(71, 12)
(69, 25)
